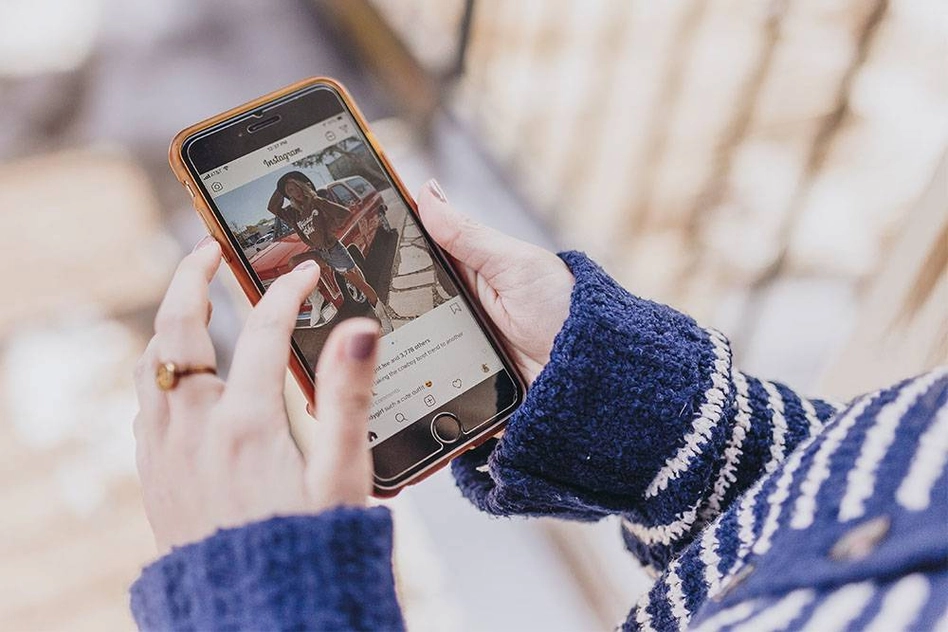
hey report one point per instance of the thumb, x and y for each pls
(485, 250)
(345, 376)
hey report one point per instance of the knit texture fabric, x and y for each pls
(331, 571)
(737, 492)
(635, 415)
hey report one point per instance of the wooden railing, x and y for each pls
(701, 148)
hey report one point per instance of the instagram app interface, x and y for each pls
(321, 194)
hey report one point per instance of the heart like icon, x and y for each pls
(456, 383)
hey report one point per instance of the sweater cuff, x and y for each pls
(330, 571)
(627, 381)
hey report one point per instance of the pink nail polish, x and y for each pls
(435, 189)
(308, 264)
(205, 241)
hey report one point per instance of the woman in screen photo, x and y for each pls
(316, 220)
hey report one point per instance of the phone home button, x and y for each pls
(446, 428)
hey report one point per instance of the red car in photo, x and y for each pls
(358, 235)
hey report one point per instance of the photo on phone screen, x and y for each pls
(320, 193)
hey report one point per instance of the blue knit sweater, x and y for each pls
(754, 508)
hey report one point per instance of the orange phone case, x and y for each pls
(250, 289)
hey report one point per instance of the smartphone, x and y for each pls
(297, 174)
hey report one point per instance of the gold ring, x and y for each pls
(168, 374)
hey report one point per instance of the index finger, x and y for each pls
(181, 321)
(263, 348)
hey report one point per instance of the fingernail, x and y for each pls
(435, 189)
(362, 345)
(309, 264)
(205, 241)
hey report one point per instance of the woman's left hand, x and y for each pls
(214, 454)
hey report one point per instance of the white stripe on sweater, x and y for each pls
(676, 596)
(642, 617)
(861, 480)
(779, 615)
(928, 465)
(780, 495)
(729, 616)
(901, 604)
(778, 424)
(710, 558)
(663, 533)
(732, 452)
(709, 414)
(812, 419)
(745, 530)
(746, 520)
(839, 608)
(804, 508)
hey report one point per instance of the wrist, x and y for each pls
(625, 377)
(334, 566)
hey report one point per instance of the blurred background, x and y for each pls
(778, 169)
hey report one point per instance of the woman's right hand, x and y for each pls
(524, 289)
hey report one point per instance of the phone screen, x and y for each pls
(321, 193)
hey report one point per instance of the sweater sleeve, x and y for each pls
(330, 571)
(638, 413)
